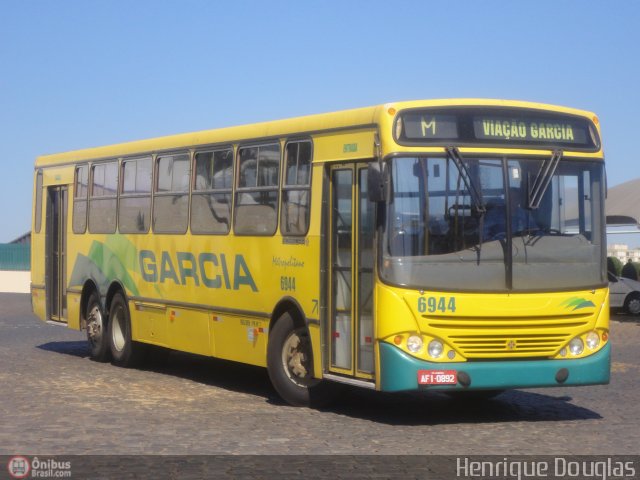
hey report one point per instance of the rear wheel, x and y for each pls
(124, 351)
(97, 329)
(290, 365)
(632, 304)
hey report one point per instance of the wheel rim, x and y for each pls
(634, 306)
(117, 330)
(296, 359)
(95, 325)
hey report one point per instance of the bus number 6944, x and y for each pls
(441, 304)
(288, 284)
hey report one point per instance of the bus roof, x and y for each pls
(356, 118)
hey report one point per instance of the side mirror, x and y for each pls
(377, 181)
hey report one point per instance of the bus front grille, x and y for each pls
(479, 346)
(481, 337)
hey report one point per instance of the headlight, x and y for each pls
(593, 340)
(435, 348)
(576, 346)
(414, 343)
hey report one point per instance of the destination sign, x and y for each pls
(534, 130)
(430, 126)
(495, 126)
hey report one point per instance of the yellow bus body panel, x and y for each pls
(216, 294)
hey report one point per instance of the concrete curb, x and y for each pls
(15, 282)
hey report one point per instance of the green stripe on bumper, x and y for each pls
(399, 371)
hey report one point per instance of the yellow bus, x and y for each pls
(452, 245)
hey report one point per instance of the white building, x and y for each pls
(623, 253)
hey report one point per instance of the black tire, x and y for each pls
(124, 351)
(632, 303)
(290, 366)
(97, 329)
(473, 395)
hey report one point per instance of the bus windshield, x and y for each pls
(440, 236)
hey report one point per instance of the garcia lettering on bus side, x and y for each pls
(213, 271)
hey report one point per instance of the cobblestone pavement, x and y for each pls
(54, 400)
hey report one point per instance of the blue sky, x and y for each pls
(76, 74)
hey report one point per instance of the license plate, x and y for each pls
(437, 377)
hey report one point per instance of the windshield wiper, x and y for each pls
(543, 178)
(476, 197)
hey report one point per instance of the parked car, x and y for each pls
(624, 293)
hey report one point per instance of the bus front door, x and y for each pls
(350, 276)
(56, 246)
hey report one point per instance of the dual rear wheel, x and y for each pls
(97, 335)
(110, 336)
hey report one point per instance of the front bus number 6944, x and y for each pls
(441, 304)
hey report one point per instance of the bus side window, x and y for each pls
(296, 191)
(134, 209)
(211, 197)
(171, 205)
(256, 202)
(103, 198)
(80, 190)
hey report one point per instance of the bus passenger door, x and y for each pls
(351, 273)
(56, 246)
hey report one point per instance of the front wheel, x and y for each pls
(124, 351)
(290, 365)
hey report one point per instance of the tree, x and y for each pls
(614, 265)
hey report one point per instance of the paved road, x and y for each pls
(54, 400)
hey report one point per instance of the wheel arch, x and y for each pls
(314, 392)
(291, 305)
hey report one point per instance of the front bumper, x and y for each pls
(399, 372)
